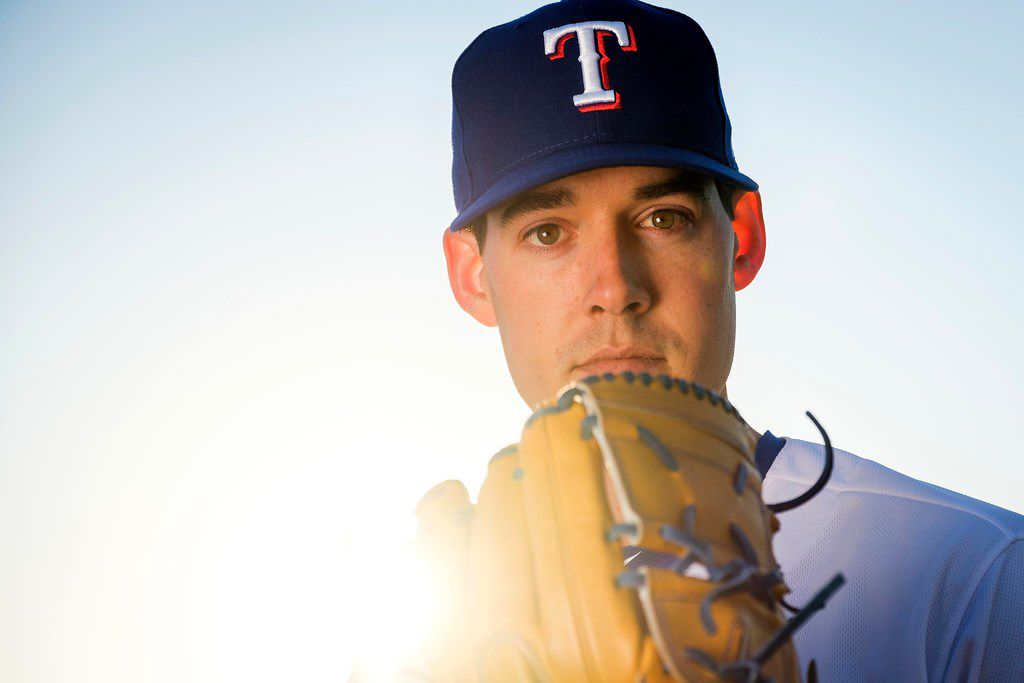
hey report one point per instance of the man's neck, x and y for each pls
(754, 434)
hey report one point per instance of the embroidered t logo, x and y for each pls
(597, 93)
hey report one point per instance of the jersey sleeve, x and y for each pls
(988, 643)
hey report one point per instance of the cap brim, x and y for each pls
(567, 162)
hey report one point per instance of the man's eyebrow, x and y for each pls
(536, 200)
(683, 182)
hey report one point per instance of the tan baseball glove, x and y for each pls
(532, 583)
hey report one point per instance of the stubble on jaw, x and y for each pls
(530, 374)
(640, 334)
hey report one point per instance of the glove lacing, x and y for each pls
(733, 576)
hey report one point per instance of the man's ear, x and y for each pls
(465, 275)
(748, 253)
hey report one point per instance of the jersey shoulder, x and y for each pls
(920, 563)
(801, 462)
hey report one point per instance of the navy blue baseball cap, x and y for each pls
(582, 84)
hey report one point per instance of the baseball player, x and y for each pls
(604, 226)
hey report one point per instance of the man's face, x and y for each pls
(615, 269)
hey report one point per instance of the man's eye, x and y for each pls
(669, 219)
(546, 235)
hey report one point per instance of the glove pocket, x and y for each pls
(687, 489)
(701, 633)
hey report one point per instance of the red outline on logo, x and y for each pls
(632, 40)
(560, 47)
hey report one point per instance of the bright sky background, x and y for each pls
(231, 362)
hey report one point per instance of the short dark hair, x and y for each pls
(723, 187)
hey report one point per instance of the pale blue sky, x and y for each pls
(221, 287)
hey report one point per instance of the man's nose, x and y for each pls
(614, 271)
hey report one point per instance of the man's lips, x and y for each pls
(636, 364)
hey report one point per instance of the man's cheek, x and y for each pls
(710, 269)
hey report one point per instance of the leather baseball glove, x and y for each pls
(548, 578)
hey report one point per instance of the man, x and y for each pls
(603, 226)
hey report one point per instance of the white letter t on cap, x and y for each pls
(597, 93)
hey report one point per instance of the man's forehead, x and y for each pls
(637, 183)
